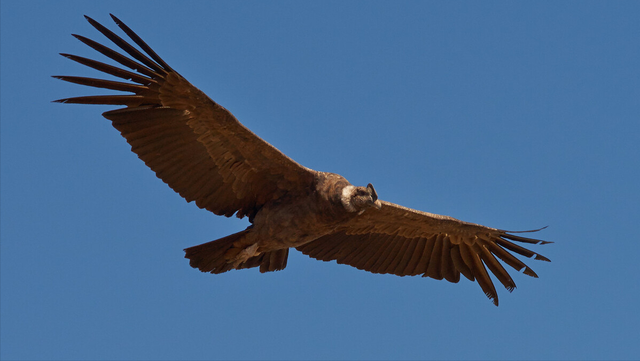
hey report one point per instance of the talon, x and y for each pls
(245, 254)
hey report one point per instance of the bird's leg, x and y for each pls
(243, 255)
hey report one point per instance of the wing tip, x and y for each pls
(540, 257)
(529, 272)
(115, 19)
(511, 236)
(89, 19)
(493, 298)
(529, 231)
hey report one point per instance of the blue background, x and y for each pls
(515, 115)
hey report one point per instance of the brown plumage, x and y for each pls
(203, 153)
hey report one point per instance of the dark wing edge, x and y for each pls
(406, 242)
(192, 143)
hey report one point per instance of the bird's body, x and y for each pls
(206, 155)
(290, 221)
(296, 219)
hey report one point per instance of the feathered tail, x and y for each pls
(215, 256)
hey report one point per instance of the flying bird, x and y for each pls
(206, 155)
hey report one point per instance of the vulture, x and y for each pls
(200, 150)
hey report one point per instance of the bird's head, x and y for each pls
(359, 199)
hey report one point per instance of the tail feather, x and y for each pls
(268, 261)
(213, 256)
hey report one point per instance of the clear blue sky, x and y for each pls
(515, 115)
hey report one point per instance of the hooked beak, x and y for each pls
(374, 197)
(376, 204)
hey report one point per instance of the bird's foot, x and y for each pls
(245, 254)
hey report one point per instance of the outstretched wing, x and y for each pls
(407, 242)
(192, 143)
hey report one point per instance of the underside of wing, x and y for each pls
(192, 143)
(406, 242)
